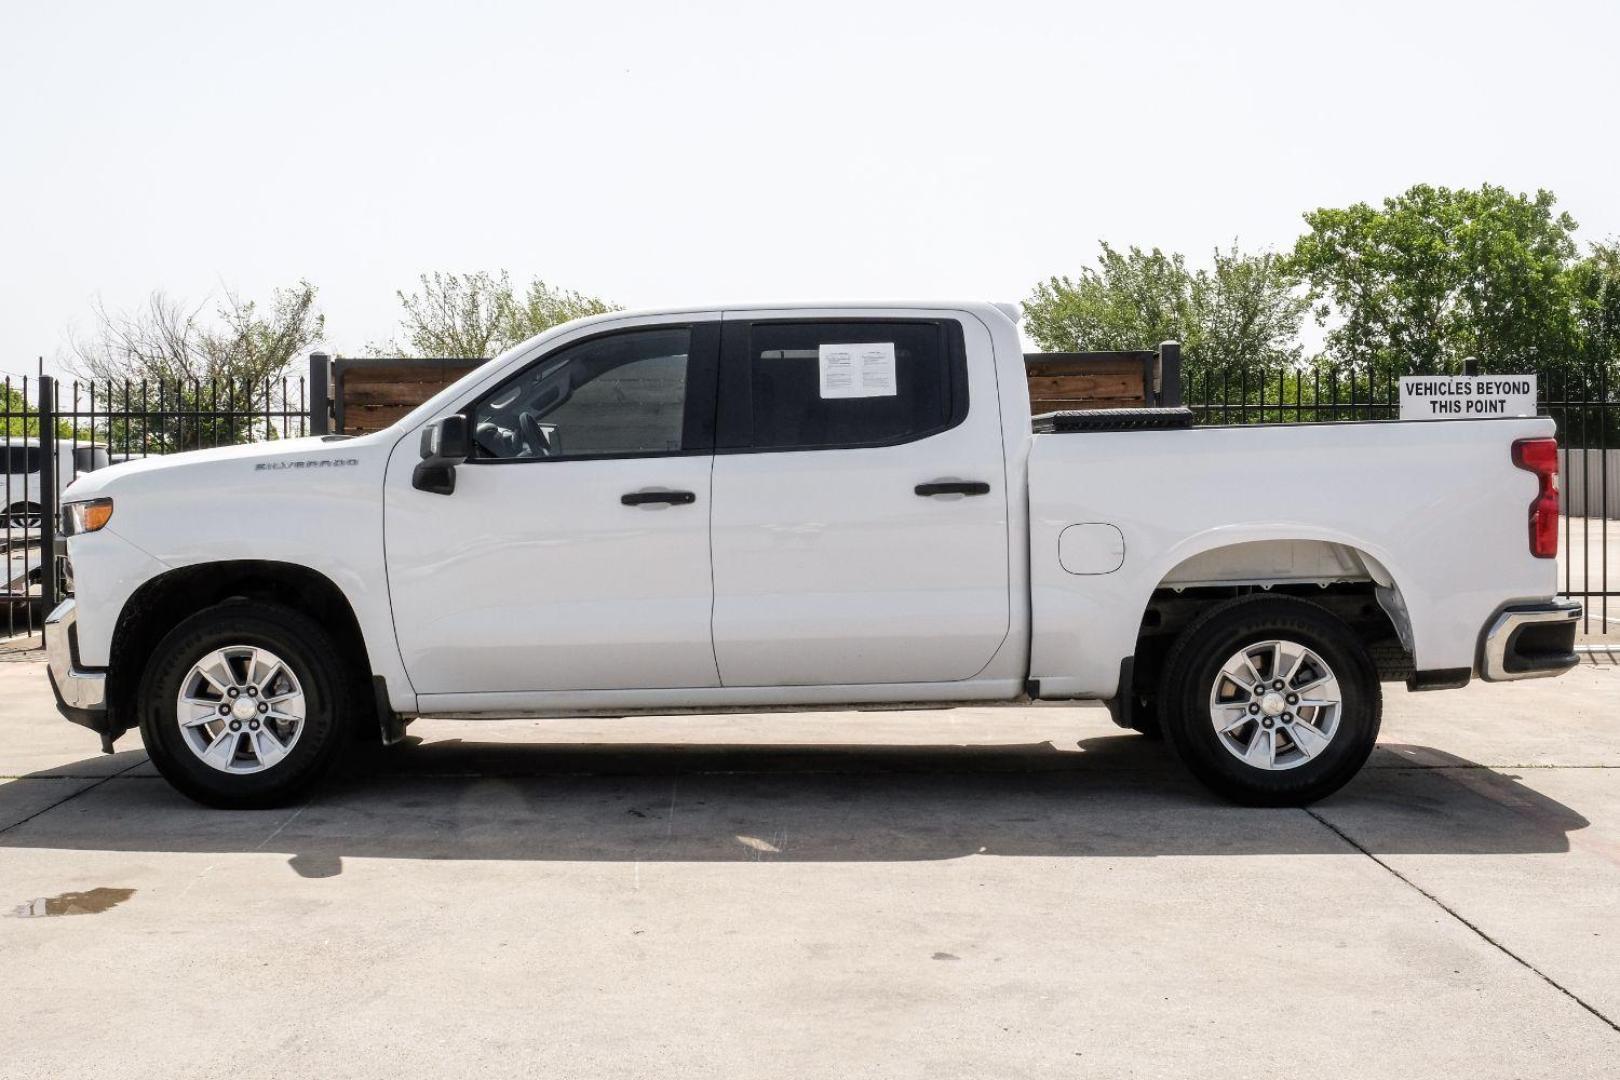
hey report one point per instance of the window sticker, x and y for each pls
(860, 370)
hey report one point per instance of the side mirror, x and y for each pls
(445, 444)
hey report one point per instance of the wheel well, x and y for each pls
(159, 605)
(1342, 579)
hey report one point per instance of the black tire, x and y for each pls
(22, 517)
(1190, 675)
(306, 648)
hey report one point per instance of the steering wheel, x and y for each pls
(535, 443)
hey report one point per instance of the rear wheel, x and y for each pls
(1271, 701)
(241, 705)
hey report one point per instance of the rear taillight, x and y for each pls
(1540, 456)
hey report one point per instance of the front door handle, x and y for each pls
(954, 487)
(669, 498)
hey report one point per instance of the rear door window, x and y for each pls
(20, 459)
(820, 385)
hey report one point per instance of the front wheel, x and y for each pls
(240, 705)
(1271, 701)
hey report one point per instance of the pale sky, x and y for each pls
(661, 153)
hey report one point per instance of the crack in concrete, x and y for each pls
(71, 796)
(1449, 910)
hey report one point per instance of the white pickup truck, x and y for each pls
(805, 507)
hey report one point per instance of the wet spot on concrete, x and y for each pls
(946, 956)
(93, 902)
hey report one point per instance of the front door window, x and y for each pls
(621, 395)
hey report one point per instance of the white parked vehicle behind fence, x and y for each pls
(21, 502)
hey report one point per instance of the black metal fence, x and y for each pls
(53, 430)
(27, 465)
(138, 419)
(1584, 404)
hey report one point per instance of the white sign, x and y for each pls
(1462, 397)
(865, 370)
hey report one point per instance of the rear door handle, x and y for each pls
(954, 487)
(670, 498)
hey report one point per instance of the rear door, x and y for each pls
(860, 525)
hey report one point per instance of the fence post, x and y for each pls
(320, 394)
(1169, 374)
(1470, 365)
(49, 497)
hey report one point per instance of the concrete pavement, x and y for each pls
(980, 893)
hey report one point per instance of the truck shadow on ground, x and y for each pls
(1110, 797)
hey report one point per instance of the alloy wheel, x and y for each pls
(241, 709)
(1275, 705)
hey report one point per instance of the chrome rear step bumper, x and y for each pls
(1529, 641)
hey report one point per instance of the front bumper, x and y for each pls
(81, 695)
(1529, 641)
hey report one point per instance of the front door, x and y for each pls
(574, 552)
(860, 502)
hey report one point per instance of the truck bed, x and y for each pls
(1436, 511)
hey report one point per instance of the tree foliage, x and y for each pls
(1247, 310)
(209, 374)
(480, 315)
(1413, 285)
(1242, 309)
(1595, 286)
(1436, 274)
(19, 418)
(1131, 299)
(167, 341)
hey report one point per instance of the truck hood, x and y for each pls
(286, 500)
(229, 465)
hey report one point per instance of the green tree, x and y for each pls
(209, 375)
(480, 315)
(1247, 310)
(1595, 284)
(1438, 274)
(1131, 299)
(543, 307)
(1241, 310)
(167, 341)
(18, 417)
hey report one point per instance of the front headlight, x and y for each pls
(85, 516)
